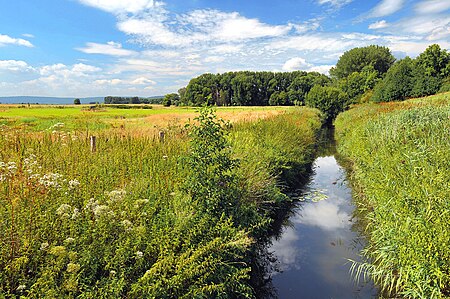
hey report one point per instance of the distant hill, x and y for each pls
(52, 100)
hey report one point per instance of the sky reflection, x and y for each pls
(313, 252)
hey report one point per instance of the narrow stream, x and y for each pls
(313, 249)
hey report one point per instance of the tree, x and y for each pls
(357, 83)
(356, 59)
(398, 83)
(170, 99)
(77, 102)
(330, 100)
(434, 61)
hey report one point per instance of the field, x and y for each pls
(140, 218)
(400, 158)
(133, 118)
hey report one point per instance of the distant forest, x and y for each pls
(132, 100)
(361, 74)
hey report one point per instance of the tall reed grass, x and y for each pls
(400, 157)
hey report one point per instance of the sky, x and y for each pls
(84, 48)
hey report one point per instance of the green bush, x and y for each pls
(329, 100)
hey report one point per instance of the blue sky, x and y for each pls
(81, 48)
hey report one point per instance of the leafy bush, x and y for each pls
(329, 100)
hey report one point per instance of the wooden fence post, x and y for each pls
(93, 144)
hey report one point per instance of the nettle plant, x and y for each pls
(212, 183)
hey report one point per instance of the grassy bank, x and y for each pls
(139, 218)
(400, 155)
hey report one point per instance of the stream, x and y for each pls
(312, 251)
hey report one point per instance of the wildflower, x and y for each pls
(127, 224)
(112, 273)
(139, 254)
(12, 167)
(69, 240)
(100, 210)
(58, 250)
(21, 287)
(64, 210)
(165, 157)
(73, 268)
(116, 195)
(73, 184)
(44, 246)
(76, 213)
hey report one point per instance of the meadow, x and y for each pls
(140, 218)
(399, 154)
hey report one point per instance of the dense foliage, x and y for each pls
(356, 59)
(399, 154)
(137, 218)
(251, 88)
(414, 77)
(330, 100)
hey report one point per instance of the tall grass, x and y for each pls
(400, 157)
(127, 220)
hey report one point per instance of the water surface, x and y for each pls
(312, 252)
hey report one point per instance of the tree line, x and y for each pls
(361, 74)
(132, 100)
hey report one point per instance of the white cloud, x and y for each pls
(379, 25)
(432, 6)
(28, 35)
(142, 81)
(110, 48)
(423, 25)
(296, 63)
(323, 69)
(385, 8)
(7, 40)
(227, 48)
(315, 42)
(440, 33)
(199, 26)
(214, 59)
(109, 82)
(122, 6)
(335, 3)
(14, 65)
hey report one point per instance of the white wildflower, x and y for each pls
(76, 214)
(44, 246)
(139, 254)
(73, 184)
(127, 224)
(100, 210)
(21, 287)
(69, 240)
(112, 273)
(116, 195)
(12, 167)
(64, 210)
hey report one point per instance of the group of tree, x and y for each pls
(132, 100)
(361, 74)
(247, 88)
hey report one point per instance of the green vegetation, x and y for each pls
(251, 88)
(357, 59)
(399, 154)
(139, 218)
(415, 77)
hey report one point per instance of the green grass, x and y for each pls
(400, 155)
(121, 222)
